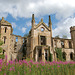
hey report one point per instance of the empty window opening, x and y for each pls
(70, 45)
(4, 39)
(3, 51)
(71, 56)
(64, 55)
(55, 43)
(40, 53)
(62, 44)
(16, 39)
(46, 54)
(43, 40)
(5, 29)
(57, 55)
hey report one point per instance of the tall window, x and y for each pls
(55, 43)
(70, 45)
(62, 44)
(64, 55)
(5, 29)
(16, 39)
(4, 39)
(40, 52)
(43, 40)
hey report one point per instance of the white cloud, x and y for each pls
(24, 8)
(63, 27)
(28, 23)
(23, 29)
(14, 25)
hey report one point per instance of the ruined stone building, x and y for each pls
(39, 43)
(12, 44)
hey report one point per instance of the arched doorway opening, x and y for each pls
(64, 55)
(71, 55)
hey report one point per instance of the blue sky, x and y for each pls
(19, 14)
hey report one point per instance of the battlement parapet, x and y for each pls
(72, 28)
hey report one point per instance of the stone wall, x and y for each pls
(66, 49)
(16, 47)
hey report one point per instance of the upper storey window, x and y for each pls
(62, 44)
(16, 39)
(5, 29)
(70, 44)
(4, 39)
(43, 40)
(42, 29)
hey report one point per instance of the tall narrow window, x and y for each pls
(5, 29)
(4, 39)
(16, 39)
(43, 40)
(62, 44)
(55, 43)
(64, 55)
(70, 45)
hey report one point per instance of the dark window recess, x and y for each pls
(4, 39)
(43, 40)
(40, 53)
(3, 51)
(70, 45)
(5, 29)
(57, 55)
(64, 55)
(46, 54)
(62, 44)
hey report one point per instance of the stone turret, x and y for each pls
(32, 34)
(50, 25)
(33, 20)
(72, 31)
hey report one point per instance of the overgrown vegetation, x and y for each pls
(23, 67)
(1, 50)
(59, 53)
(50, 57)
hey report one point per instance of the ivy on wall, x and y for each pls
(50, 57)
(59, 54)
(1, 50)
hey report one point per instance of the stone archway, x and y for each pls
(71, 56)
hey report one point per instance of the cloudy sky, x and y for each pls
(19, 12)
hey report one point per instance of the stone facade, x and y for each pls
(38, 45)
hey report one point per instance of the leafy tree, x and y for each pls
(26, 35)
(57, 36)
(64, 36)
(59, 53)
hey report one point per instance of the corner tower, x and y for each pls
(6, 31)
(72, 31)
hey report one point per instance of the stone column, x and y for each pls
(72, 31)
(67, 57)
(36, 54)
